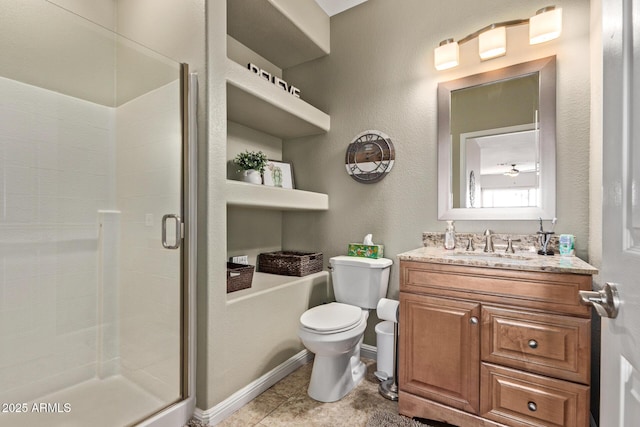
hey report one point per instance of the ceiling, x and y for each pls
(333, 7)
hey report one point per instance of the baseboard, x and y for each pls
(368, 351)
(237, 400)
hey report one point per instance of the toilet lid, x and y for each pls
(331, 317)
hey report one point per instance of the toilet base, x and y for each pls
(333, 377)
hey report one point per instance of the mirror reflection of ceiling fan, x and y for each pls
(498, 152)
(513, 172)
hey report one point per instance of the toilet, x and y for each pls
(334, 331)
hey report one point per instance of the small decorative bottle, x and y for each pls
(450, 236)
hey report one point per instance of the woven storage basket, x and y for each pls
(288, 263)
(239, 276)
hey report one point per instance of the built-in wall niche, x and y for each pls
(272, 40)
(261, 115)
(285, 33)
(252, 231)
(258, 104)
(241, 138)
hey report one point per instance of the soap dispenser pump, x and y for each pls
(450, 236)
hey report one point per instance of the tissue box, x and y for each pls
(365, 251)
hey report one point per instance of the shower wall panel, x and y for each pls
(56, 153)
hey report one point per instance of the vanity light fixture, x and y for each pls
(545, 25)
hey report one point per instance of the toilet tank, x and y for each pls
(360, 281)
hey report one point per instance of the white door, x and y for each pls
(620, 371)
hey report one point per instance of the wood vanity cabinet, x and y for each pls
(493, 347)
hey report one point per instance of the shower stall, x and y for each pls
(96, 260)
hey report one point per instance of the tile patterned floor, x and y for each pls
(287, 404)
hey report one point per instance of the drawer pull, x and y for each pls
(533, 344)
(532, 406)
(473, 320)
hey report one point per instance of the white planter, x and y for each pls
(252, 176)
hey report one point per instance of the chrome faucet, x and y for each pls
(488, 244)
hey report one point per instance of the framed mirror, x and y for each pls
(497, 144)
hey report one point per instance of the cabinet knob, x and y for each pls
(473, 320)
(533, 344)
(532, 406)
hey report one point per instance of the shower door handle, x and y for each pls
(178, 221)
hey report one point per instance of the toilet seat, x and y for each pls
(331, 318)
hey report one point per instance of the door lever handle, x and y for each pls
(606, 301)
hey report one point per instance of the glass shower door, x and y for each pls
(91, 161)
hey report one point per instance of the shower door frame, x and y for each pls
(183, 409)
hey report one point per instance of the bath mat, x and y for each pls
(195, 423)
(388, 419)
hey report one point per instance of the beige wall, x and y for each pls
(102, 12)
(212, 216)
(380, 75)
(595, 165)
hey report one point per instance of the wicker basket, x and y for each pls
(288, 263)
(239, 276)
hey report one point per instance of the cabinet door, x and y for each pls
(439, 350)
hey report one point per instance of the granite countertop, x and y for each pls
(528, 261)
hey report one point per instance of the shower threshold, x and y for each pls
(110, 402)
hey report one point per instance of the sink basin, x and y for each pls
(493, 257)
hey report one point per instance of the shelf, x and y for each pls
(263, 282)
(261, 196)
(286, 32)
(256, 103)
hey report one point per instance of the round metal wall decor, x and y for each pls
(370, 156)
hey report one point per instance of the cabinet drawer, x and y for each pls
(558, 346)
(520, 399)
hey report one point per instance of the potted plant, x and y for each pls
(252, 164)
